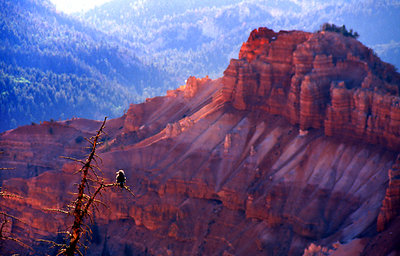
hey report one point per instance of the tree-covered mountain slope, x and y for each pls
(199, 37)
(54, 67)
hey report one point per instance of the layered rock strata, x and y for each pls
(391, 204)
(233, 183)
(249, 164)
(318, 80)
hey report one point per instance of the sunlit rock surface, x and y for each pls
(292, 151)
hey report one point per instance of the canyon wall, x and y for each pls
(295, 149)
(318, 80)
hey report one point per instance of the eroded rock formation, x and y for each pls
(391, 204)
(318, 80)
(288, 153)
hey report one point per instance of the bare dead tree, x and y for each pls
(85, 201)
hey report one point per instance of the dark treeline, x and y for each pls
(339, 29)
(31, 95)
(55, 67)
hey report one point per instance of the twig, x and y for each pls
(9, 195)
(54, 244)
(73, 159)
(5, 168)
(56, 210)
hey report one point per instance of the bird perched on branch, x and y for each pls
(120, 178)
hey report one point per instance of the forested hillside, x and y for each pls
(128, 50)
(200, 37)
(54, 67)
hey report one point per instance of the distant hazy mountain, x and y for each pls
(199, 37)
(52, 66)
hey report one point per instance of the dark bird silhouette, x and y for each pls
(120, 178)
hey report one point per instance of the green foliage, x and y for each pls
(54, 95)
(53, 66)
(341, 30)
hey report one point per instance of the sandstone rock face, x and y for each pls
(391, 204)
(249, 164)
(35, 149)
(320, 80)
(242, 183)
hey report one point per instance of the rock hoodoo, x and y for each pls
(318, 80)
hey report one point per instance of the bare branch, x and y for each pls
(98, 157)
(94, 172)
(89, 140)
(129, 190)
(54, 244)
(18, 242)
(62, 251)
(96, 181)
(100, 202)
(79, 252)
(13, 217)
(56, 210)
(72, 159)
(9, 195)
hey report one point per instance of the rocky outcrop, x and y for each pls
(320, 80)
(249, 164)
(391, 204)
(246, 184)
(193, 85)
(149, 118)
(38, 148)
(35, 149)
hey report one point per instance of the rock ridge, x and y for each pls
(317, 80)
(220, 167)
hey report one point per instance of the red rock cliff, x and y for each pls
(318, 80)
(221, 168)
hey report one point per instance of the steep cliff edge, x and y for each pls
(249, 164)
(391, 204)
(318, 80)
